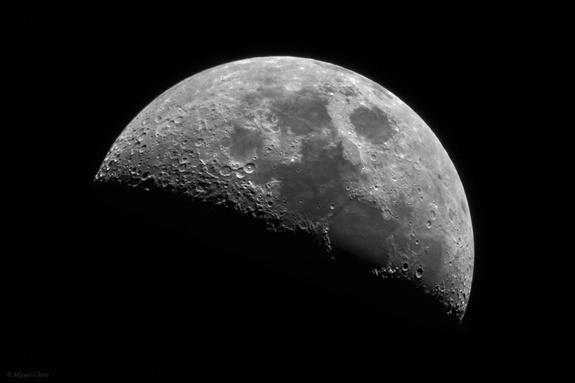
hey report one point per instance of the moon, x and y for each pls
(311, 148)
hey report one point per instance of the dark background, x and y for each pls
(98, 285)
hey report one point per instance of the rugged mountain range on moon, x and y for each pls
(309, 147)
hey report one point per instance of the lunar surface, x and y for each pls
(310, 147)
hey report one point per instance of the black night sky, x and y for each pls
(98, 286)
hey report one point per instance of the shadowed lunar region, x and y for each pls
(311, 149)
